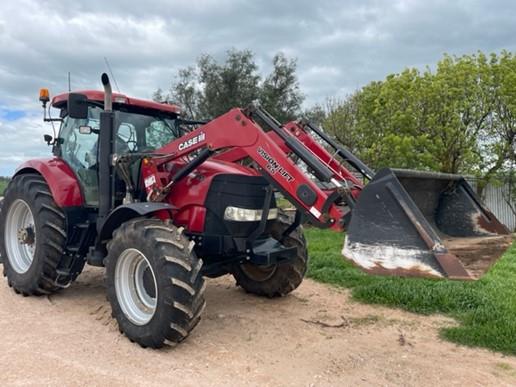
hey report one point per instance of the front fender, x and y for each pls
(126, 212)
(60, 178)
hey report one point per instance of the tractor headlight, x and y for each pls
(247, 215)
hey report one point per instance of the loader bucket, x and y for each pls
(413, 223)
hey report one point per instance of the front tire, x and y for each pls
(280, 279)
(154, 282)
(32, 236)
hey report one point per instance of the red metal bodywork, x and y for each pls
(235, 130)
(60, 178)
(95, 95)
(189, 194)
(340, 172)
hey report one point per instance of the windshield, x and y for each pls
(143, 132)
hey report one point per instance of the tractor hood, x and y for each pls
(193, 189)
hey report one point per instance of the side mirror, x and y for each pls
(48, 139)
(77, 106)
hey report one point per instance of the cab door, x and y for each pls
(79, 148)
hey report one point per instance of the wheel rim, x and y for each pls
(136, 287)
(20, 236)
(258, 273)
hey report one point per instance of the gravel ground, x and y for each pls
(315, 337)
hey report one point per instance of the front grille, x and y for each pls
(234, 190)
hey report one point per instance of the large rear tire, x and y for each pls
(32, 237)
(280, 279)
(154, 282)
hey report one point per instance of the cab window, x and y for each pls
(158, 134)
(143, 133)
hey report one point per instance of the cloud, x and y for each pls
(21, 139)
(340, 45)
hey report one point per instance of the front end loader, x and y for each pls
(162, 202)
(412, 223)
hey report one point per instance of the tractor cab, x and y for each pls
(139, 126)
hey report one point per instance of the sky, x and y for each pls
(339, 45)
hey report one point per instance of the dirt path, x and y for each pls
(70, 339)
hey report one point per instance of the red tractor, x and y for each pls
(162, 202)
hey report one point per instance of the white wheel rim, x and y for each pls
(135, 297)
(20, 236)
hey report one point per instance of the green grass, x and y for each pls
(485, 309)
(3, 185)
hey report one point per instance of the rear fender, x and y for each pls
(60, 178)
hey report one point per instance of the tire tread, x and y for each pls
(182, 293)
(42, 279)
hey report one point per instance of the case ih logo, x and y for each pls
(193, 141)
(273, 166)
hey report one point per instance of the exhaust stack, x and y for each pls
(108, 93)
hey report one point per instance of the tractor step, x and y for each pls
(63, 274)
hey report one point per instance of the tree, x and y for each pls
(497, 135)
(185, 92)
(231, 84)
(158, 96)
(459, 118)
(211, 88)
(280, 93)
(315, 114)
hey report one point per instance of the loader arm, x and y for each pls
(237, 129)
(298, 129)
(301, 130)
